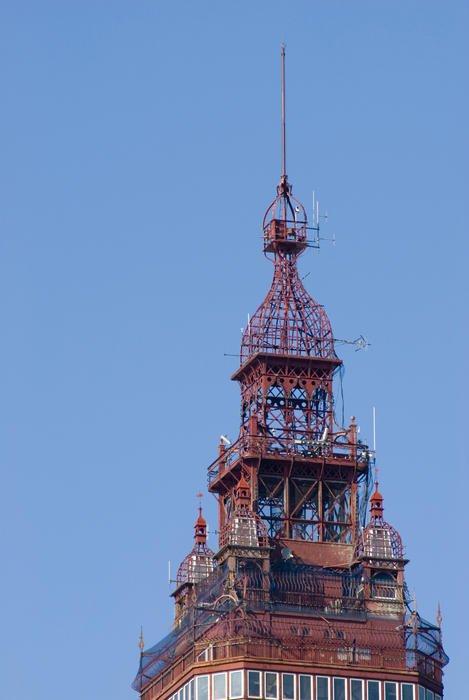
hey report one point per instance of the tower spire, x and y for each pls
(284, 164)
(439, 618)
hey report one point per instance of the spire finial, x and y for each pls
(284, 164)
(376, 501)
(200, 525)
(439, 618)
(140, 641)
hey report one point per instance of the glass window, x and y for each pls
(339, 688)
(305, 688)
(236, 684)
(202, 687)
(429, 695)
(407, 691)
(254, 684)
(356, 690)
(390, 692)
(181, 694)
(322, 688)
(205, 655)
(186, 691)
(421, 693)
(437, 697)
(271, 685)
(373, 690)
(191, 690)
(288, 686)
(219, 686)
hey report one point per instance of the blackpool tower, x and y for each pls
(305, 598)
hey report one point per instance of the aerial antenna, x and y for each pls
(374, 430)
(284, 164)
(361, 343)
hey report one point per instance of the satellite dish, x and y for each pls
(286, 554)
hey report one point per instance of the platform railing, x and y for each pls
(293, 649)
(301, 444)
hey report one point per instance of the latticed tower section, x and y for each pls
(291, 400)
(289, 321)
(304, 471)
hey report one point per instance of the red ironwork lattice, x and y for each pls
(288, 321)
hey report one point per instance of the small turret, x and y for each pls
(244, 528)
(199, 562)
(381, 553)
(195, 567)
(380, 540)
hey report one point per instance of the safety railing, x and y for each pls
(300, 445)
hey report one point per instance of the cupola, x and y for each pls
(199, 563)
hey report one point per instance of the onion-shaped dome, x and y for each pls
(379, 540)
(289, 321)
(244, 528)
(200, 562)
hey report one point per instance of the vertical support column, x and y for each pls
(320, 512)
(353, 510)
(286, 505)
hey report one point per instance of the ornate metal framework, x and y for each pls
(299, 584)
(305, 471)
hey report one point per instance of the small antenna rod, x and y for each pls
(374, 430)
(284, 164)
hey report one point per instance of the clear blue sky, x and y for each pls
(140, 149)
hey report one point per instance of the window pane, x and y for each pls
(181, 694)
(407, 691)
(186, 691)
(390, 692)
(288, 686)
(305, 688)
(254, 684)
(322, 688)
(421, 693)
(429, 695)
(236, 684)
(191, 690)
(202, 688)
(271, 685)
(373, 690)
(356, 689)
(219, 686)
(339, 688)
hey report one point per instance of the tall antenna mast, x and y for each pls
(284, 165)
